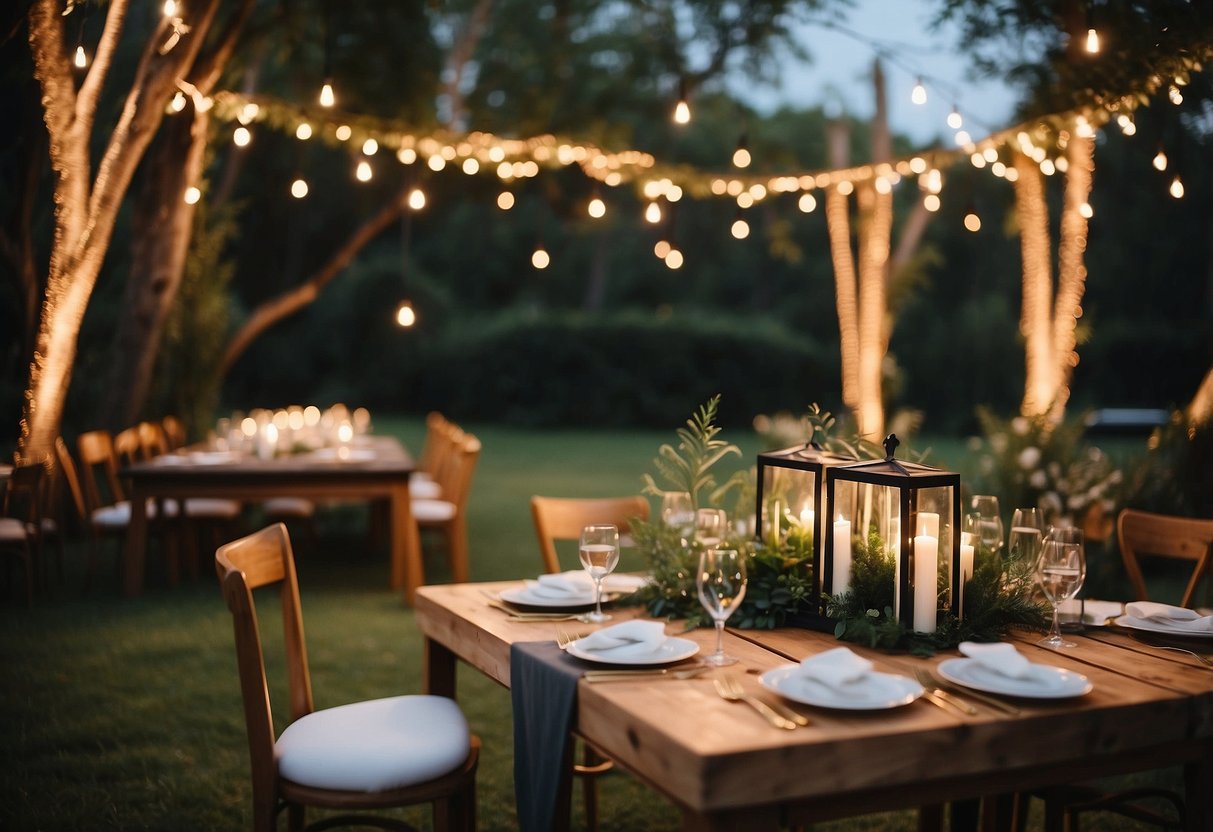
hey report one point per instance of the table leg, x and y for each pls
(438, 673)
(1198, 794)
(407, 572)
(136, 543)
(732, 820)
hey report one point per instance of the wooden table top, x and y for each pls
(1148, 708)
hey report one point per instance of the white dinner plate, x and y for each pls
(345, 454)
(874, 691)
(1158, 627)
(673, 649)
(1045, 681)
(211, 457)
(526, 596)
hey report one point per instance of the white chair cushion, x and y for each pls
(420, 476)
(12, 530)
(424, 489)
(289, 507)
(376, 745)
(433, 511)
(118, 515)
(211, 507)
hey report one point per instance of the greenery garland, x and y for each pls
(780, 587)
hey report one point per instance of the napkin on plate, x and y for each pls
(1178, 618)
(631, 638)
(577, 585)
(1002, 658)
(834, 667)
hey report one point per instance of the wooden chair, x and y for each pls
(174, 432)
(359, 757)
(21, 519)
(436, 454)
(1142, 533)
(563, 518)
(448, 515)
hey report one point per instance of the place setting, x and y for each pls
(999, 668)
(840, 679)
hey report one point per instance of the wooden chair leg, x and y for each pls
(930, 818)
(457, 550)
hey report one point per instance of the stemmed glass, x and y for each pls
(721, 583)
(599, 552)
(711, 525)
(1025, 536)
(1061, 570)
(989, 523)
(676, 509)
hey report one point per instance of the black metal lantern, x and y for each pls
(901, 514)
(790, 498)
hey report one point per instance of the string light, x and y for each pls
(363, 172)
(1177, 188)
(540, 258)
(303, 132)
(170, 8)
(505, 200)
(954, 119)
(596, 207)
(178, 102)
(416, 199)
(918, 95)
(674, 259)
(806, 203)
(972, 221)
(1086, 211)
(405, 316)
(931, 202)
(327, 97)
(299, 189)
(653, 213)
(81, 60)
(1092, 41)
(1175, 95)
(662, 248)
(741, 228)
(1160, 160)
(241, 136)
(370, 147)
(741, 156)
(682, 110)
(192, 195)
(436, 163)
(343, 132)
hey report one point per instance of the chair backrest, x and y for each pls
(153, 441)
(436, 430)
(98, 469)
(456, 476)
(67, 471)
(263, 559)
(1184, 538)
(174, 431)
(23, 495)
(563, 518)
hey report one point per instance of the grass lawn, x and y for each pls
(126, 714)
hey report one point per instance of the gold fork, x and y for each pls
(729, 688)
(928, 681)
(565, 638)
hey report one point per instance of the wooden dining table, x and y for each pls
(727, 768)
(371, 468)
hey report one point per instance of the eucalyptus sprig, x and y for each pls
(689, 466)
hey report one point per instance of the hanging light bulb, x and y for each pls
(596, 208)
(1175, 95)
(299, 189)
(416, 199)
(1092, 41)
(303, 132)
(662, 248)
(363, 172)
(193, 194)
(327, 98)
(918, 95)
(1086, 211)
(405, 316)
(674, 259)
(1160, 160)
(653, 213)
(682, 110)
(370, 147)
(972, 221)
(540, 258)
(343, 132)
(741, 228)
(1177, 188)
(178, 102)
(505, 200)
(807, 203)
(741, 156)
(241, 136)
(170, 8)
(954, 119)
(81, 59)
(931, 202)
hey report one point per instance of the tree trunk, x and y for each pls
(838, 224)
(1071, 269)
(1035, 321)
(173, 163)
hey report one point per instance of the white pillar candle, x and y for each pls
(842, 556)
(806, 517)
(928, 524)
(966, 571)
(926, 567)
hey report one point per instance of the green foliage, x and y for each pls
(1174, 477)
(688, 468)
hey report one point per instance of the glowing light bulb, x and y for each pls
(1092, 41)
(343, 132)
(192, 195)
(741, 158)
(963, 138)
(807, 203)
(682, 112)
(370, 147)
(170, 8)
(662, 248)
(299, 189)
(416, 199)
(653, 213)
(81, 62)
(178, 102)
(436, 163)
(674, 259)
(505, 200)
(596, 208)
(241, 136)
(1175, 95)
(954, 119)
(931, 202)
(972, 221)
(303, 132)
(918, 95)
(363, 172)
(405, 316)
(471, 166)
(406, 155)
(1086, 211)
(741, 229)
(1177, 188)
(327, 97)
(1160, 160)
(540, 258)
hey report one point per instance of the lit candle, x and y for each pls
(842, 556)
(966, 569)
(267, 444)
(928, 524)
(806, 517)
(926, 565)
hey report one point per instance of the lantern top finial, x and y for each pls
(890, 446)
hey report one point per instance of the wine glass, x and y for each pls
(1061, 569)
(676, 510)
(1026, 535)
(721, 583)
(711, 526)
(599, 551)
(989, 523)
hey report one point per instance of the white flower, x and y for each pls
(999, 442)
(1038, 479)
(1029, 457)
(1020, 425)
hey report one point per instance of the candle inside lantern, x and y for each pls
(842, 555)
(806, 518)
(928, 524)
(267, 441)
(926, 565)
(966, 568)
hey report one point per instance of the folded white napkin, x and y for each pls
(1002, 658)
(576, 584)
(631, 638)
(834, 667)
(1178, 618)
